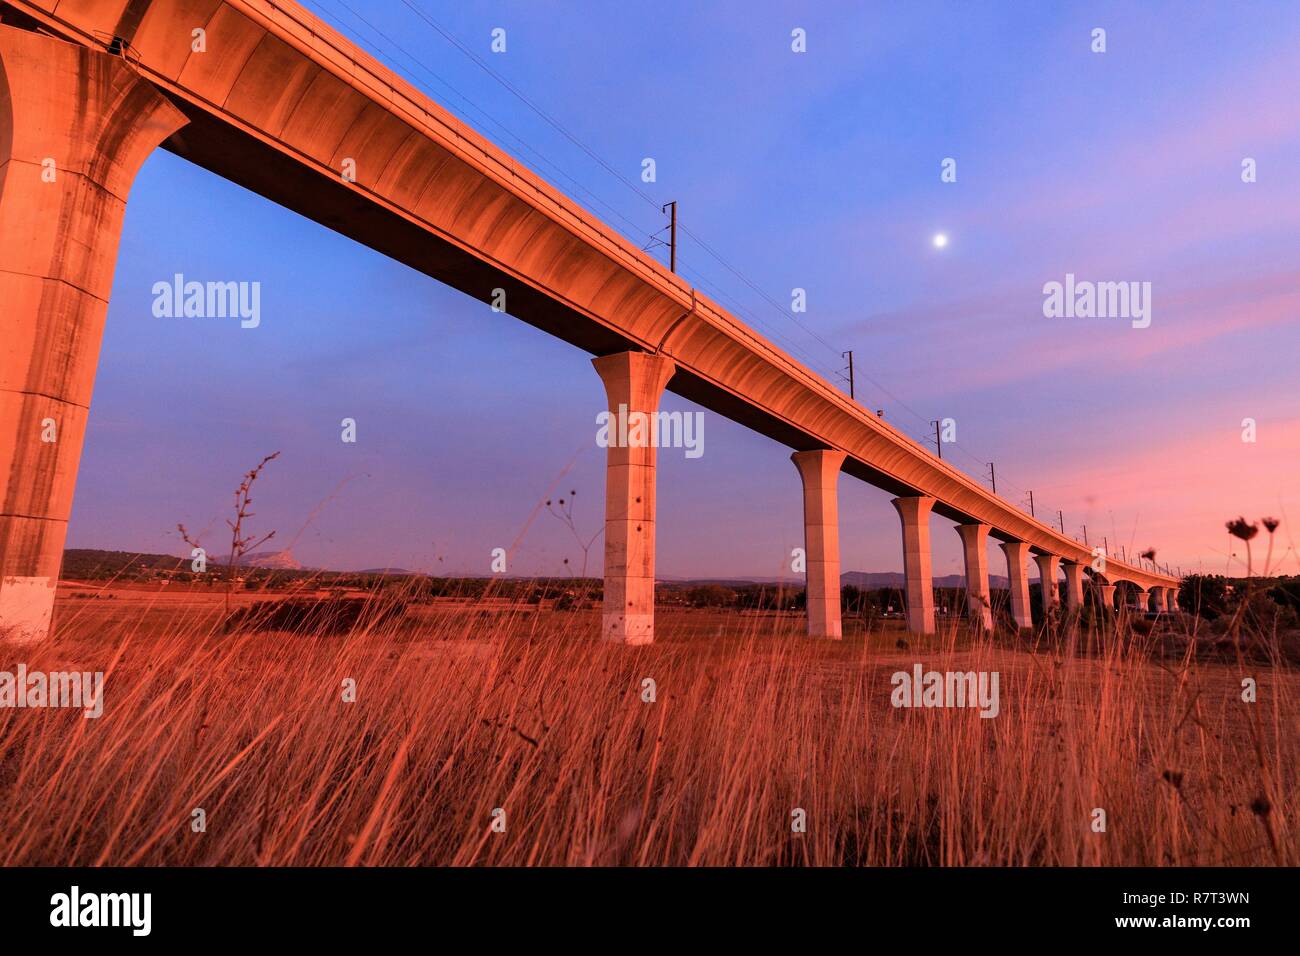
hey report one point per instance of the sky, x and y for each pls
(818, 170)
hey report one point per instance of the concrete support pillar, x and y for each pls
(974, 542)
(1141, 599)
(820, 472)
(634, 383)
(1158, 598)
(1106, 594)
(915, 515)
(1073, 584)
(75, 127)
(1173, 600)
(1017, 553)
(1047, 568)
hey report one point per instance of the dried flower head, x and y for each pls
(1243, 529)
(1270, 524)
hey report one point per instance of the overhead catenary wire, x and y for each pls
(595, 157)
(651, 238)
(649, 200)
(634, 228)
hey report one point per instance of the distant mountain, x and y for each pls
(869, 580)
(274, 560)
(95, 564)
(866, 580)
(793, 581)
(873, 579)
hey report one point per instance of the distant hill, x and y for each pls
(93, 564)
(89, 564)
(275, 560)
(866, 580)
(873, 579)
(793, 581)
(869, 580)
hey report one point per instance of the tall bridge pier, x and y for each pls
(75, 127)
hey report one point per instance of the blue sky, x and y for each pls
(817, 170)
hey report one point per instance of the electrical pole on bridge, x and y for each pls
(672, 235)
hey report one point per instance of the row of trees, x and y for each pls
(854, 601)
(1211, 596)
(1214, 596)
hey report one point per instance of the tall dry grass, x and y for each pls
(461, 711)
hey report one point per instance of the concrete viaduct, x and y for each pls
(282, 104)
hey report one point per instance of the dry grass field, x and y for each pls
(463, 711)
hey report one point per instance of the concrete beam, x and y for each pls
(915, 516)
(75, 127)
(1048, 565)
(820, 473)
(1017, 553)
(634, 383)
(974, 546)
